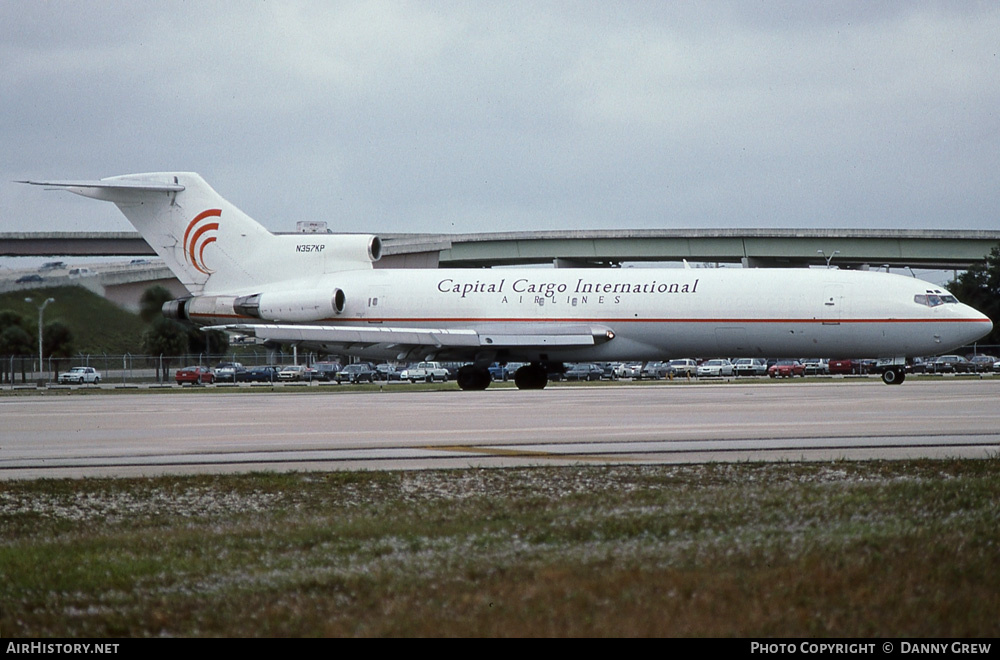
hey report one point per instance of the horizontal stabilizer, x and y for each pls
(109, 190)
(108, 184)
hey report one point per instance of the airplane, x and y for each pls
(322, 292)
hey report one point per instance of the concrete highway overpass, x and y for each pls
(847, 248)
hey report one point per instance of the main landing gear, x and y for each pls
(471, 377)
(532, 376)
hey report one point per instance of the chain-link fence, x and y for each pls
(137, 369)
(128, 368)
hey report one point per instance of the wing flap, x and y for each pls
(516, 336)
(351, 336)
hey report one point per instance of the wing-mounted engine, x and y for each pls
(302, 306)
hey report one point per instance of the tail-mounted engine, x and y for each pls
(292, 306)
(282, 306)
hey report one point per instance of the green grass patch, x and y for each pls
(840, 549)
(98, 325)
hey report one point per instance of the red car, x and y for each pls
(845, 366)
(196, 374)
(786, 369)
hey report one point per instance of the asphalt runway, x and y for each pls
(197, 431)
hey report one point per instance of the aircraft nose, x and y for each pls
(979, 325)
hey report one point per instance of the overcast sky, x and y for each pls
(487, 116)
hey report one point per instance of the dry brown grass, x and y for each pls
(819, 550)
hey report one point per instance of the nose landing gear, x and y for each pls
(893, 376)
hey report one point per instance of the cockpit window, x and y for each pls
(935, 297)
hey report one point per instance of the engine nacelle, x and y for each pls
(200, 309)
(176, 309)
(292, 306)
(281, 306)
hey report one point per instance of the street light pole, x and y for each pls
(41, 309)
(830, 258)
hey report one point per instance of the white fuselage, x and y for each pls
(659, 313)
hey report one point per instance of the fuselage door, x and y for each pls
(374, 304)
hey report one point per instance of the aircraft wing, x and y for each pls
(448, 340)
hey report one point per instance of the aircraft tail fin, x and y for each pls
(211, 245)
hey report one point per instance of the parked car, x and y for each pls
(786, 369)
(326, 371)
(844, 367)
(684, 367)
(982, 363)
(815, 366)
(949, 364)
(80, 375)
(583, 371)
(388, 372)
(296, 373)
(715, 368)
(656, 370)
(750, 367)
(500, 372)
(427, 372)
(265, 374)
(616, 370)
(230, 372)
(195, 375)
(360, 372)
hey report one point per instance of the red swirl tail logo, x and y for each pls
(199, 234)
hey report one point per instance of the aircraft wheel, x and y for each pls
(893, 376)
(473, 378)
(531, 377)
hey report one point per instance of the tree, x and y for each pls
(210, 342)
(151, 303)
(57, 342)
(165, 338)
(10, 318)
(14, 341)
(980, 287)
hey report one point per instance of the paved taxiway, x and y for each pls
(199, 431)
